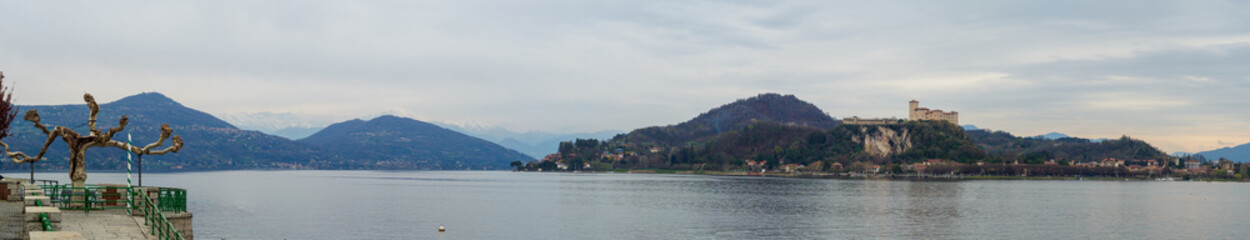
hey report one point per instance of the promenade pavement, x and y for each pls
(109, 224)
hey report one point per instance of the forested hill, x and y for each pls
(210, 143)
(772, 144)
(390, 142)
(1004, 146)
(768, 107)
(772, 129)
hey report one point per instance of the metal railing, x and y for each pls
(87, 198)
(171, 199)
(153, 217)
(94, 197)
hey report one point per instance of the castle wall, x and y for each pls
(917, 114)
(870, 121)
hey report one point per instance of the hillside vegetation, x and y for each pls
(1036, 150)
(211, 143)
(771, 130)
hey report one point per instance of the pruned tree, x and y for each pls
(7, 112)
(77, 143)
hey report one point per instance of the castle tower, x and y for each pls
(911, 110)
(917, 113)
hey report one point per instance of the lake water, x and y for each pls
(507, 205)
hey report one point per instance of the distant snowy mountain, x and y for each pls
(970, 127)
(533, 143)
(295, 133)
(285, 125)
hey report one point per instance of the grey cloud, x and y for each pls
(592, 65)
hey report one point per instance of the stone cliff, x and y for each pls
(882, 141)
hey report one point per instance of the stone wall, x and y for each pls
(870, 121)
(182, 223)
(917, 113)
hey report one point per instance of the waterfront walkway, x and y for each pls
(68, 224)
(111, 224)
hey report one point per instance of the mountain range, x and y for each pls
(1053, 136)
(1240, 153)
(391, 142)
(285, 125)
(536, 144)
(210, 143)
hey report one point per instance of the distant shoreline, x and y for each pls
(905, 177)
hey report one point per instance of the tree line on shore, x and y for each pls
(936, 147)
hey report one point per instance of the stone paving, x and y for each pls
(11, 219)
(109, 224)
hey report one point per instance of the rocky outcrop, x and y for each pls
(882, 141)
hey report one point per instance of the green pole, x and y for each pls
(129, 188)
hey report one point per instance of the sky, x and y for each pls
(1172, 73)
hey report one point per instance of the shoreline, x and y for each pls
(848, 176)
(905, 177)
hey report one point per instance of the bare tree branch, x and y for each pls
(95, 109)
(65, 133)
(121, 124)
(18, 157)
(33, 116)
(78, 144)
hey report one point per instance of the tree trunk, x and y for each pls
(77, 168)
(78, 174)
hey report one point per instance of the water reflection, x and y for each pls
(505, 205)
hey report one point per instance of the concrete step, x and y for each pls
(30, 200)
(58, 235)
(32, 214)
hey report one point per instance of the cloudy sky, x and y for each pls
(1171, 72)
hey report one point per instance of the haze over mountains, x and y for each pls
(285, 125)
(536, 144)
(211, 143)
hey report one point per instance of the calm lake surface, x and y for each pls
(507, 205)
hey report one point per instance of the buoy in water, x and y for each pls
(441, 229)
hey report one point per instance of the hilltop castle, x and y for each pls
(914, 112)
(918, 113)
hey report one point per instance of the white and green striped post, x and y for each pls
(129, 189)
